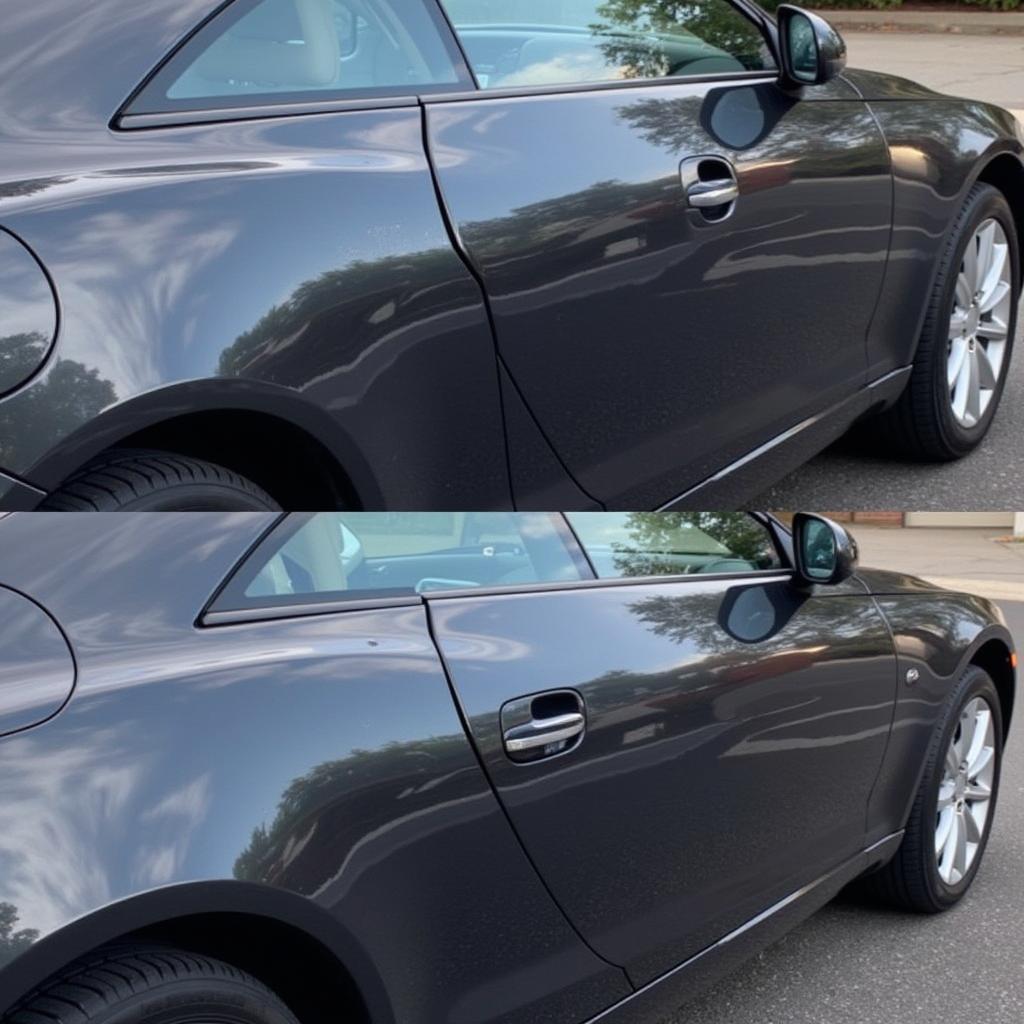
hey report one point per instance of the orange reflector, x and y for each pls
(1013, 659)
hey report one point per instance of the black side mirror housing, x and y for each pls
(824, 552)
(812, 51)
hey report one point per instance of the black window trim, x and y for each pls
(250, 616)
(128, 116)
(384, 98)
(560, 88)
(782, 573)
(303, 607)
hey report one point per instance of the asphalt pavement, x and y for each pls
(990, 68)
(853, 964)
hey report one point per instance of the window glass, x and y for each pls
(544, 42)
(332, 555)
(673, 543)
(303, 48)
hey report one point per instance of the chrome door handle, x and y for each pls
(542, 732)
(710, 185)
(713, 193)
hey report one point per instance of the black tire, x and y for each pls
(911, 880)
(129, 480)
(921, 424)
(151, 985)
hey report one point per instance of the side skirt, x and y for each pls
(739, 481)
(667, 993)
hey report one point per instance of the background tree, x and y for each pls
(654, 539)
(634, 28)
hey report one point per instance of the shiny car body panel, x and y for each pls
(601, 266)
(675, 682)
(343, 312)
(283, 720)
(343, 777)
(336, 270)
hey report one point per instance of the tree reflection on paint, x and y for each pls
(13, 940)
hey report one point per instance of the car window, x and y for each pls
(333, 555)
(622, 544)
(544, 42)
(260, 51)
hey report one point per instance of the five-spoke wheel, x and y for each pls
(966, 341)
(950, 820)
(979, 323)
(965, 792)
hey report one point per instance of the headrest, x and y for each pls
(290, 43)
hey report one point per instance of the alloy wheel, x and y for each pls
(965, 793)
(979, 323)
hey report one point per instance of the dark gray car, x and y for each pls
(464, 767)
(410, 254)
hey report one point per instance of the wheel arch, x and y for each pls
(295, 450)
(1005, 171)
(994, 655)
(296, 948)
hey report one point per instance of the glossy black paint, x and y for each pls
(37, 672)
(330, 786)
(623, 315)
(295, 778)
(754, 755)
(292, 272)
(29, 313)
(939, 148)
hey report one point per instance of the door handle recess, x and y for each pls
(542, 732)
(542, 725)
(710, 185)
(713, 193)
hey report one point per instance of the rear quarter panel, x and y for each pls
(303, 255)
(320, 757)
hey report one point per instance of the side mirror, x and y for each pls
(813, 52)
(823, 550)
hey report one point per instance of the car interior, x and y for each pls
(511, 55)
(356, 552)
(381, 552)
(302, 45)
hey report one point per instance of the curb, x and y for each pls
(968, 23)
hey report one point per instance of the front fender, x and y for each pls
(939, 147)
(937, 635)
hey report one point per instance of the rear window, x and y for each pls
(327, 556)
(257, 52)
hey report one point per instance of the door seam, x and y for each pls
(457, 244)
(464, 720)
(892, 719)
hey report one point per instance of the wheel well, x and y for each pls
(994, 657)
(287, 462)
(296, 967)
(1006, 173)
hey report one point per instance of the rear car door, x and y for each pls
(732, 726)
(656, 342)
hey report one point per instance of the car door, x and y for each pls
(733, 725)
(656, 342)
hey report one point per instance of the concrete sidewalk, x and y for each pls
(961, 559)
(979, 67)
(960, 22)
